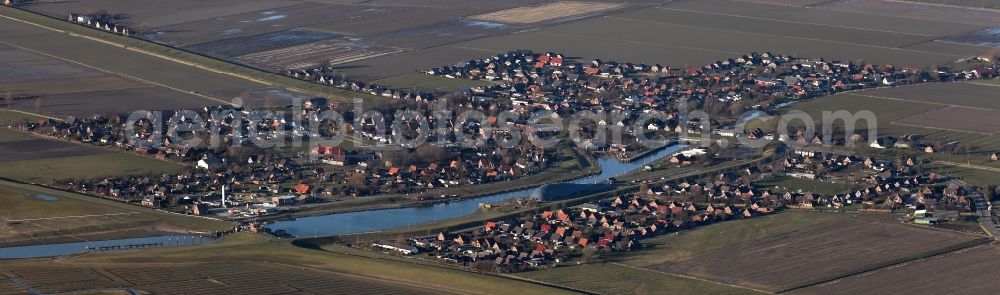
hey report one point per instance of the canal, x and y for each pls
(378, 220)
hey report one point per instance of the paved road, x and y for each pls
(986, 215)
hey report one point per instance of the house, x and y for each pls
(400, 248)
(995, 157)
(210, 162)
(929, 149)
(302, 189)
(284, 200)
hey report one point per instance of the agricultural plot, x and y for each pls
(105, 164)
(395, 18)
(430, 83)
(960, 119)
(606, 278)
(442, 33)
(254, 23)
(818, 253)
(946, 94)
(886, 110)
(37, 214)
(670, 249)
(145, 14)
(805, 185)
(233, 47)
(792, 16)
(27, 149)
(731, 39)
(986, 37)
(111, 101)
(546, 12)
(47, 85)
(683, 39)
(205, 279)
(967, 3)
(314, 54)
(971, 271)
(35, 159)
(912, 10)
(206, 86)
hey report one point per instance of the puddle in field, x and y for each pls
(271, 18)
(47, 198)
(484, 24)
(986, 37)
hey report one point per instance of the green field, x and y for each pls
(887, 111)
(7, 135)
(625, 273)
(967, 3)
(31, 212)
(969, 175)
(248, 247)
(424, 82)
(689, 243)
(86, 167)
(202, 74)
(8, 115)
(804, 185)
(607, 278)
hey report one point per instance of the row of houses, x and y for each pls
(326, 75)
(616, 224)
(524, 80)
(101, 22)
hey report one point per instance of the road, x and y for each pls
(986, 215)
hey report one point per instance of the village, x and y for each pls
(262, 181)
(493, 147)
(620, 223)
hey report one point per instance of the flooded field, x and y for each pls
(986, 37)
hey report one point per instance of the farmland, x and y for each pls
(688, 244)
(33, 214)
(970, 271)
(814, 254)
(957, 119)
(241, 278)
(940, 112)
(683, 39)
(307, 33)
(607, 278)
(805, 185)
(185, 268)
(546, 12)
(34, 159)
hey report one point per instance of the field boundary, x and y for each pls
(179, 55)
(307, 244)
(689, 277)
(918, 256)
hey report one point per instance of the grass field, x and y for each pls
(607, 278)
(804, 185)
(817, 253)
(248, 247)
(9, 115)
(106, 164)
(970, 271)
(673, 248)
(33, 213)
(436, 84)
(149, 61)
(969, 175)
(969, 3)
